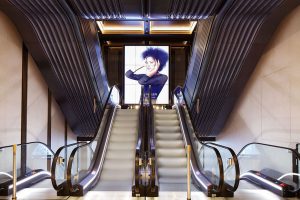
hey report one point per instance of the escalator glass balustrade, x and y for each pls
(32, 162)
(271, 167)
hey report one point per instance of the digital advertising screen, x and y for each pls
(146, 65)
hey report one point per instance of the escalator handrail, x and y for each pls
(139, 147)
(270, 145)
(141, 125)
(236, 164)
(54, 163)
(194, 165)
(188, 140)
(26, 179)
(56, 156)
(28, 143)
(275, 146)
(92, 166)
(152, 140)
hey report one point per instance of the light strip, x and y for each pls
(106, 28)
(29, 178)
(261, 179)
(174, 28)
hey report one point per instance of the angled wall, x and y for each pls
(37, 95)
(268, 110)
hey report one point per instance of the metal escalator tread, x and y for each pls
(118, 168)
(168, 129)
(162, 152)
(168, 136)
(171, 162)
(171, 156)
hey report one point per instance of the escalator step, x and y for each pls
(120, 146)
(123, 131)
(165, 111)
(127, 165)
(120, 154)
(122, 138)
(171, 152)
(166, 122)
(116, 175)
(169, 144)
(131, 119)
(125, 125)
(168, 129)
(172, 180)
(168, 136)
(165, 117)
(164, 172)
(171, 162)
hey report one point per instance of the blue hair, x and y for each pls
(157, 54)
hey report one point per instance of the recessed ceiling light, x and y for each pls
(121, 27)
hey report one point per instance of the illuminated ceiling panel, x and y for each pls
(172, 27)
(137, 27)
(121, 27)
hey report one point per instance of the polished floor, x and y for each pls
(49, 194)
(42, 191)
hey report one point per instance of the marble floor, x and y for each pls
(50, 194)
(43, 191)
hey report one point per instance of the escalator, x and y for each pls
(171, 139)
(170, 150)
(257, 166)
(118, 168)
(109, 162)
(270, 167)
(170, 134)
(209, 161)
(33, 166)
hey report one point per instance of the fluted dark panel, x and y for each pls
(198, 50)
(108, 9)
(239, 34)
(95, 55)
(64, 61)
(184, 9)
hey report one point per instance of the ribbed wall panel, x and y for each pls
(57, 37)
(198, 50)
(107, 9)
(233, 36)
(193, 9)
(94, 49)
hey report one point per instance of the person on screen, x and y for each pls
(155, 60)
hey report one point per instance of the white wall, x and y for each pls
(10, 82)
(37, 102)
(268, 111)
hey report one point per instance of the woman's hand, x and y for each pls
(142, 66)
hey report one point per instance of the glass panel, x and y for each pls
(229, 166)
(271, 161)
(61, 164)
(81, 163)
(6, 167)
(206, 156)
(208, 162)
(83, 158)
(38, 155)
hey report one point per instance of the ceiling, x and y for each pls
(146, 9)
